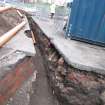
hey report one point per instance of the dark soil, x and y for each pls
(8, 20)
(42, 93)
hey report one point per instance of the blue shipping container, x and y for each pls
(87, 21)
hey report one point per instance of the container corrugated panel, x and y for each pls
(87, 21)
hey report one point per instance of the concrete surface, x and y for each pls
(11, 59)
(5, 52)
(80, 55)
(15, 50)
(21, 42)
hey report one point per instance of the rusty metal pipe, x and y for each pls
(7, 36)
(2, 9)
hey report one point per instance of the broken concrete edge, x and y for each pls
(28, 29)
(71, 63)
(12, 59)
(78, 66)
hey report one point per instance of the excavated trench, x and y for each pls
(69, 85)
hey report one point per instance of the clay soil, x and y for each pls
(8, 20)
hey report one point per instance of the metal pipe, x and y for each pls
(33, 38)
(7, 36)
(19, 13)
(2, 9)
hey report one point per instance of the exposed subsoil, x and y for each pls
(8, 20)
(70, 86)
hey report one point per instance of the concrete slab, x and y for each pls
(80, 55)
(20, 42)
